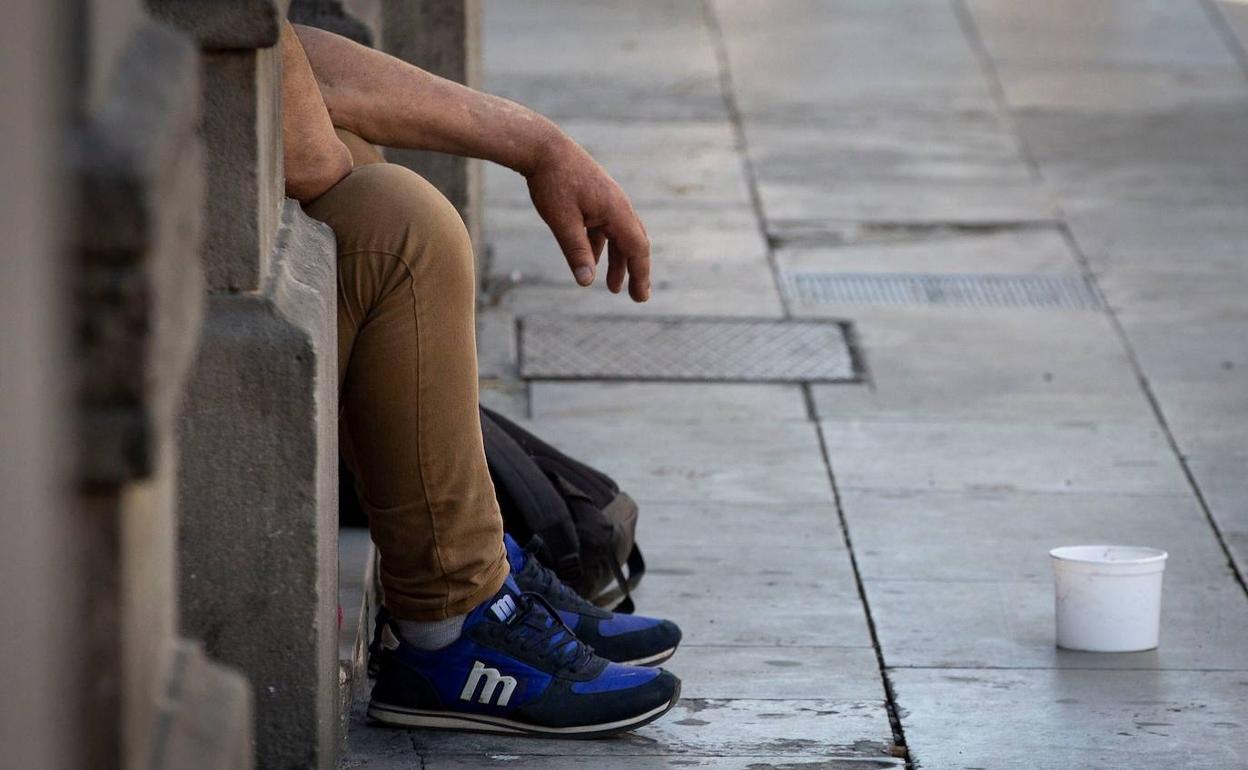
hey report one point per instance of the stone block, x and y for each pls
(206, 720)
(259, 495)
(1056, 720)
(224, 24)
(242, 137)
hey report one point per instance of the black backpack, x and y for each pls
(586, 525)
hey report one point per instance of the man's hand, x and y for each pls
(389, 102)
(586, 210)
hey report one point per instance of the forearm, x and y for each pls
(394, 104)
(314, 158)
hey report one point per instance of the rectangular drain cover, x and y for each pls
(1054, 291)
(719, 349)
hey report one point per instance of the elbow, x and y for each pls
(309, 175)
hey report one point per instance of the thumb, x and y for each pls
(574, 241)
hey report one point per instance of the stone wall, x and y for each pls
(258, 492)
(104, 286)
(169, 395)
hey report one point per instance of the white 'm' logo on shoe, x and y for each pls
(503, 608)
(494, 680)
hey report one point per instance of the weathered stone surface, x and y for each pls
(225, 24)
(940, 536)
(1056, 720)
(1075, 458)
(204, 702)
(798, 729)
(44, 661)
(139, 296)
(699, 461)
(999, 624)
(242, 137)
(259, 495)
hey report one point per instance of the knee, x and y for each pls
(389, 208)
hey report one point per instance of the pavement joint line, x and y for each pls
(890, 695)
(1218, 20)
(728, 92)
(971, 30)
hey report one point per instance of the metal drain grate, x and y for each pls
(1050, 291)
(712, 349)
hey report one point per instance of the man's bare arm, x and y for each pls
(314, 158)
(392, 103)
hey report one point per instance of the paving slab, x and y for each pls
(913, 249)
(618, 60)
(1203, 350)
(1108, 31)
(668, 401)
(1195, 151)
(701, 727)
(689, 248)
(1057, 720)
(951, 536)
(656, 162)
(496, 344)
(1117, 89)
(658, 461)
(891, 143)
(773, 529)
(1010, 625)
(785, 609)
(759, 301)
(788, 194)
(984, 364)
(1223, 480)
(816, 54)
(1075, 458)
(778, 673)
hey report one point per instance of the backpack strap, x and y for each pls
(535, 499)
(636, 568)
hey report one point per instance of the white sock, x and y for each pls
(432, 634)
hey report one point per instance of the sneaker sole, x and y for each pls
(449, 720)
(652, 660)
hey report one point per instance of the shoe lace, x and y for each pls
(539, 627)
(548, 582)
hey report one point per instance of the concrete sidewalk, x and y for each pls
(861, 569)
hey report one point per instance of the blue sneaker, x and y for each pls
(629, 639)
(516, 669)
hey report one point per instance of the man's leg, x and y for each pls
(411, 433)
(472, 651)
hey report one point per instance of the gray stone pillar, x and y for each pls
(258, 431)
(43, 666)
(136, 174)
(443, 37)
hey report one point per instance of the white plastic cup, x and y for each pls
(1108, 597)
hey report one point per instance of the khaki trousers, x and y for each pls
(407, 387)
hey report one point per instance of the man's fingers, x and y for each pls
(573, 239)
(597, 241)
(629, 252)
